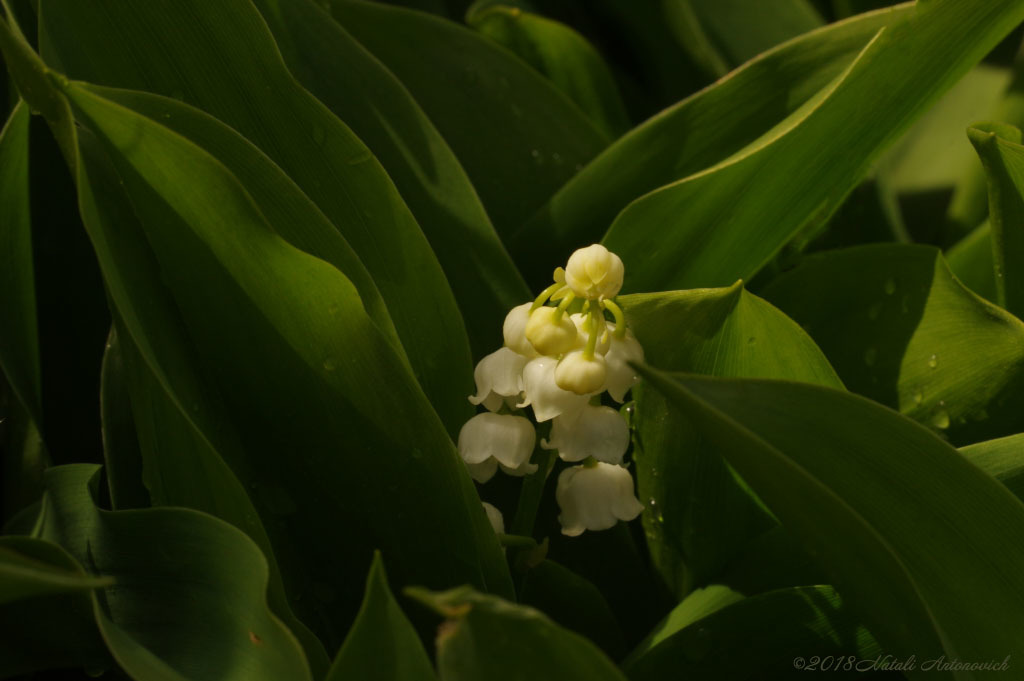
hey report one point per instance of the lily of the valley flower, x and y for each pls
(487, 440)
(600, 432)
(550, 331)
(595, 496)
(498, 375)
(543, 394)
(594, 273)
(621, 376)
(581, 374)
(514, 330)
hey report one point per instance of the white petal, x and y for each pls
(482, 472)
(494, 516)
(541, 391)
(500, 373)
(509, 439)
(514, 330)
(595, 498)
(600, 432)
(621, 376)
(523, 469)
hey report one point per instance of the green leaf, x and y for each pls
(700, 515)
(122, 457)
(516, 135)
(830, 464)
(899, 329)
(32, 567)
(971, 261)
(290, 352)
(696, 133)
(19, 343)
(1002, 458)
(382, 644)
(189, 600)
(486, 637)
(697, 605)
(1001, 153)
(562, 55)
(329, 62)
(762, 637)
(218, 57)
(781, 184)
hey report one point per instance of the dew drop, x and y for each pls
(940, 419)
(870, 355)
(933, 361)
(918, 396)
(890, 286)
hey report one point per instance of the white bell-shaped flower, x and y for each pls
(581, 375)
(595, 497)
(551, 331)
(541, 391)
(502, 438)
(514, 330)
(604, 338)
(600, 432)
(495, 518)
(498, 375)
(621, 376)
(594, 273)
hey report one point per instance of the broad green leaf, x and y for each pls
(782, 184)
(19, 342)
(122, 457)
(290, 352)
(335, 67)
(32, 567)
(763, 637)
(562, 55)
(1002, 458)
(999, 147)
(382, 644)
(720, 34)
(486, 637)
(830, 464)
(695, 134)
(23, 455)
(899, 329)
(971, 261)
(189, 600)
(516, 135)
(700, 516)
(697, 605)
(219, 56)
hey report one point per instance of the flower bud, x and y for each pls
(550, 331)
(514, 330)
(594, 273)
(544, 395)
(595, 497)
(580, 375)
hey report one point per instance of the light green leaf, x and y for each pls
(382, 644)
(695, 134)
(830, 464)
(516, 135)
(763, 637)
(289, 352)
(1002, 458)
(782, 184)
(971, 261)
(189, 599)
(899, 329)
(486, 637)
(999, 147)
(700, 515)
(562, 55)
(219, 56)
(335, 67)
(697, 605)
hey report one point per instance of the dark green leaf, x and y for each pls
(121, 454)
(901, 330)
(700, 515)
(830, 464)
(562, 55)
(1002, 458)
(971, 261)
(382, 644)
(32, 567)
(219, 56)
(782, 183)
(697, 605)
(517, 136)
(1001, 153)
(488, 638)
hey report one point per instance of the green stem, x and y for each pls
(545, 294)
(620, 318)
(566, 302)
(592, 324)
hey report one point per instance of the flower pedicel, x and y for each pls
(559, 364)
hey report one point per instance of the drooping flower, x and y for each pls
(514, 330)
(498, 375)
(550, 331)
(595, 496)
(600, 432)
(487, 440)
(621, 376)
(543, 394)
(581, 374)
(594, 273)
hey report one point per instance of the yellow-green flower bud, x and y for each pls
(594, 273)
(576, 373)
(550, 331)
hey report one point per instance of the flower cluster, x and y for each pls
(559, 363)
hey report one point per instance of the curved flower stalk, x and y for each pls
(560, 354)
